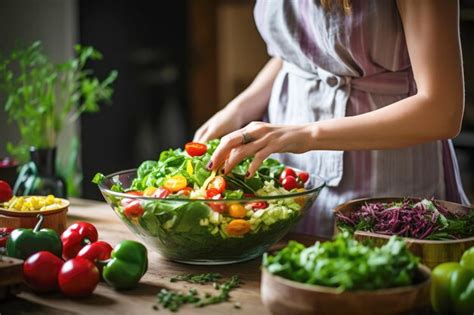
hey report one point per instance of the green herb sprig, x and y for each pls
(173, 300)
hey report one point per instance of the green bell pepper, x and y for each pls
(128, 263)
(452, 287)
(22, 243)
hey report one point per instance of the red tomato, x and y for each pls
(99, 250)
(303, 176)
(41, 271)
(212, 193)
(161, 193)
(195, 148)
(259, 205)
(133, 209)
(289, 183)
(217, 206)
(217, 183)
(287, 172)
(6, 192)
(78, 277)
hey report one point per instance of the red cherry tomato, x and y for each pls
(161, 193)
(133, 210)
(217, 206)
(217, 183)
(303, 176)
(212, 193)
(287, 172)
(78, 277)
(195, 148)
(76, 237)
(289, 183)
(259, 205)
(6, 192)
(41, 270)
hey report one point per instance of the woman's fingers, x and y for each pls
(259, 157)
(239, 153)
(224, 148)
(198, 135)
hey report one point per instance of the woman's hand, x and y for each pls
(264, 139)
(223, 122)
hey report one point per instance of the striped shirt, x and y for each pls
(338, 65)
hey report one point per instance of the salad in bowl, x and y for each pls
(192, 215)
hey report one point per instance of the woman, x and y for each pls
(366, 93)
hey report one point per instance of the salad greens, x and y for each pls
(194, 169)
(345, 264)
(201, 278)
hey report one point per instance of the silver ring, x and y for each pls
(246, 138)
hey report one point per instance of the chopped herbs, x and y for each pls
(200, 279)
(345, 264)
(173, 300)
(421, 220)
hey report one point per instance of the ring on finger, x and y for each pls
(246, 138)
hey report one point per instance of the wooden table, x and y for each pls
(105, 300)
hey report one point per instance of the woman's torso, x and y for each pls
(340, 65)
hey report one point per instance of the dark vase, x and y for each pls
(38, 177)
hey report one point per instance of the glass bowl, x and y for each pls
(200, 231)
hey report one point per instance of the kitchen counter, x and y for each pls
(140, 300)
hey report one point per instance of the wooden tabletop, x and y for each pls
(140, 300)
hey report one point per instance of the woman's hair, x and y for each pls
(346, 5)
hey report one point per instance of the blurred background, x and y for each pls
(178, 63)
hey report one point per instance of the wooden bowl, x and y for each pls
(431, 253)
(53, 219)
(283, 296)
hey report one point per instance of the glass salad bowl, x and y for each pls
(209, 231)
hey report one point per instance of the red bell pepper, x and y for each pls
(78, 277)
(76, 237)
(98, 251)
(4, 232)
(41, 270)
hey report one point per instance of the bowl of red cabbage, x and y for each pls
(192, 215)
(436, 230)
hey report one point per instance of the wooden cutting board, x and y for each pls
(11, 274)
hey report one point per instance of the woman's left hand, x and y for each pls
(262, 140)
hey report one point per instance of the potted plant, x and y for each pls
(41, 98)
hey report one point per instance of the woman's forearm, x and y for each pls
(253, 101)
(414, 120)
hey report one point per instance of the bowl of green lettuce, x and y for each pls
(191, 226)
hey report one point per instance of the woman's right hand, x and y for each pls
(226, 120)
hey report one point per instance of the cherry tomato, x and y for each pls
(161, 193)
(259, 205)
(287, 172)
(175, 183)
(238, 227)
(41, 271)
(6, 192)
(217, 206)
(186, 191)
(78, 277)
(218, 183)
(303, 176)
(236, 210)
(195, 148)
(289, 183)
(213, 193)
(133, 209)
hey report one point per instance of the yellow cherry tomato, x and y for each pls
(238, 227)
(175, 183)
(149, 191)
(236, 210)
